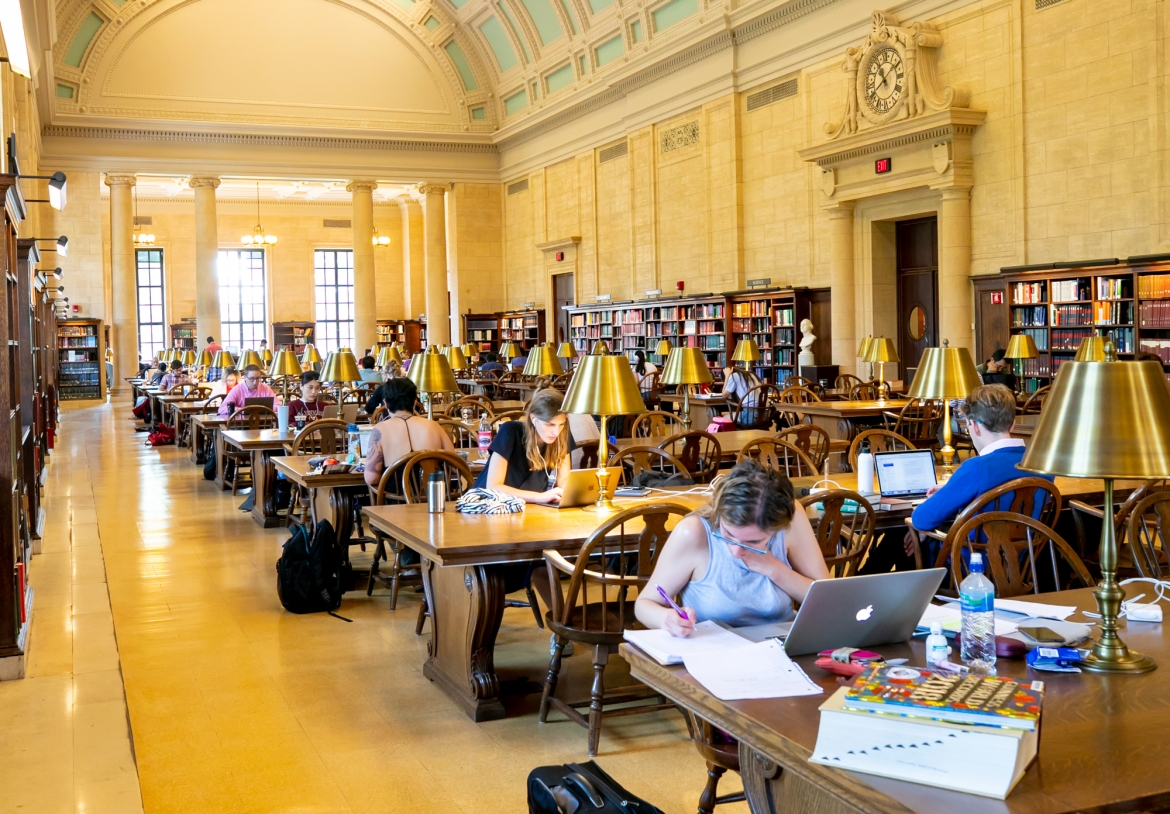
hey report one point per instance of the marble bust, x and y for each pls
(807, 357)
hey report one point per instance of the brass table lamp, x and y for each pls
(266, 356)
(310, 356)
(664, 348)
(223, 360)
(746, 351)
(881, 351)
(1106, 420)
(543, 361)
(205, 359)
(340, 368)
(431, 373)
(455, 358)
(1021, 346)
(604, 386)
(863, 352)
(945, 373)
(686, 367)
(600, 348)
(188, 358)
(470, 350)
(1092, 349)
(567, 352)
(285, 364)
(509, 351)
(250, 357)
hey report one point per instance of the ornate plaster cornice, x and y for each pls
(935, 126)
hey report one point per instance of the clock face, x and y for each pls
(885, 80)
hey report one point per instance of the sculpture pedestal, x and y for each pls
(819, 373)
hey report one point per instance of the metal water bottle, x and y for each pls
(436, 493)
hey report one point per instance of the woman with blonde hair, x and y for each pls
(529, 458)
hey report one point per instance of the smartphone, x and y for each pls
(638, 491)
(1042, 634)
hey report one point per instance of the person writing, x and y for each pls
(231, 377)
(529, 458)
(743, 559)
(177, 377)
(402, 431)
(309, 404)
(250, 387)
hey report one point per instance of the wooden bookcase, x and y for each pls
(292, 335)
(81, 354)
(482, 330)
(406, 331)
(489, 331)
(183, 336)
(772, 318)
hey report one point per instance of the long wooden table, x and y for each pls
(838, 418)
(203, 429)
(331, 497)
(703, 409)
(1103, 745)
(263, 445)
(730, 443)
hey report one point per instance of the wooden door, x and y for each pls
(565, 296)
(821, 313)
(917, 248)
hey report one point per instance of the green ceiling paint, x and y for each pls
(545, 18)
(118, 2)
(406, 4)
(673, 12)
(568, 7)
(82, 39)
(493, 32)
(461, 64)
(560, 78)
(610, 50)
(478, 113)
(459, 3)
(636, 30)
(516, 31)
(599, 6)
(431, 24)
(516, 102)
(64, 92)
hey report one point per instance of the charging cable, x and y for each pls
(1142, 612)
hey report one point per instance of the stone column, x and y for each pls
(365, 301)
(844, 285)
(435, 252)
(414, 287)
(124, 281)
(956, 311)
(207, 314)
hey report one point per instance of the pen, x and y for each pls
(748, 547)
(679, 610)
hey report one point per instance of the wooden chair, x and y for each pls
(879, 441)
(477, 405)
(699, 452)
(389, 492)
(463, 436)
(656, 424)
(847, 381)
(252, 418)
(651, 389)
(810, 439)
(327, 436)
(919, 421)
(1089, 548)
(799, 381)
(721, 753)
(380, 414)
(590, 450)
(633, 461)
(506, 416)
(779, 455)
(614, 562)
(866, 391)
(562, 382)
(1148, 537)
(1003, 552)
(236, 462)
(796, 394)
(757, 409)
(844, 537)
(1035, 402)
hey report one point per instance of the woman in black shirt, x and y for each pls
(530, 458)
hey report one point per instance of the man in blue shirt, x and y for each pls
(990, 412)
(491, 363)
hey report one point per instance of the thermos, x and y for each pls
(436, 493)
(865, 483)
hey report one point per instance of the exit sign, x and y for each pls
(883, 165)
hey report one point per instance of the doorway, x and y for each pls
(563, 296)
(916, 243)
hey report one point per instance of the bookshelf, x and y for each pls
(772, 318)
(292, 335)
(183, 336)
(482, 330)
(489, 331)
(406, 331)
(81, 354)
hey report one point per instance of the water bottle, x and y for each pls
(355, 443)
(977, 600)
(865, 470)
(436, 493)
(485, 435)
(937, 649)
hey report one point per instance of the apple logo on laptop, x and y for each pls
(864, 614)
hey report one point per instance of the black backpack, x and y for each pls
(555, 789)
(313, 571)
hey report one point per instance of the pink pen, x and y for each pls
(679, 610)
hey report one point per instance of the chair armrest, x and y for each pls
(1092, 511)
(558, 561)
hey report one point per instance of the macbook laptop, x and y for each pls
(332, 410)
(904, 475)
(581, 488)
(261, 401)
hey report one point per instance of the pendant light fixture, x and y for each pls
(258, 238)
(140, 238)
(380, 241)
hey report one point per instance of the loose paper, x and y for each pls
(760, 670)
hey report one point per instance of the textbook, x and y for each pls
(918, 692)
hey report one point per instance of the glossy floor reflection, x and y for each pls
(237, 706)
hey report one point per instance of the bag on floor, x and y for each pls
(580, 788)
(142, 409)
(161, 437)
(313, 571)
(209, 467)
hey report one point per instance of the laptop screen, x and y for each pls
(901, 474)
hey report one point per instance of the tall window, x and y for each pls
(241, 298)
(152, 325)
(334, 275)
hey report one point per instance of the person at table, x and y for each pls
(642, 368)
(492, 363)
(720, 580)
(529, 458)
(212, 345)
(176, 377)
(990, 411)
(998, 370)
(251, 386)
(369, 371)
(392, 370)
(309, 404)
(158, 374)
(402, 431)
(231, 377)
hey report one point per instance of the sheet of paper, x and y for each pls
(950, 617)
(668, 649)
(760, 670)
(1037, 609)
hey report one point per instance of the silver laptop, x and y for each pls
(581, 487)
(904, 475)
(859, 611)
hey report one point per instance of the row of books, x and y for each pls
(1025, 293)
(1154, 286)
(755, 308)
(693, 326)
(1113, 288)
(756, 325)
(1071, 290)
(76, 356)
(1040, 366)
(77, 330)
(1154, 315)
(1161, 347)
(1068, 338)
(1029, 315)
(1122, 339)
(1113, 313)
(1072, 315)
(74, 341)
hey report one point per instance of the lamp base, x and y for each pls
(604, 502)
(1128, 663)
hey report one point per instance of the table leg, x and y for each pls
(794, 784)
(196, 452)
(219, 455)
(467, 607)
(264, 508)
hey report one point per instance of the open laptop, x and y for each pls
(261, 401)
(904, 475)
(860, 611)
(332, 410)
(581, 488)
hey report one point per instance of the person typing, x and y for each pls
(250, 387)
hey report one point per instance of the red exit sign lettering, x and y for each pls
(883, 165)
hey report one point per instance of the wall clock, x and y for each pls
(881, 82)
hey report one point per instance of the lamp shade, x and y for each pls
(250, 357)
(543, 361)
(188, 357)
(567, 351)
(1092, 349)
(1021, 346)
(340, 366)
(1104, 420)
(864, 348)
(687, 366)
(664, 348)
(266, 355)
(882, 350)
(746, 350)
(285, 364)
(604, 385)
(223, 360)
(431, 373)
(470, 349)
(945, 373)
(388, 355)
(205, 358)
(455, 358)
(509, 350)
(310, 356)
(600, 348)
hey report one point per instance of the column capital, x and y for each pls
(203, 181)
(361, 184)
(955, 193)
(840, 210)
(120, 179)
(432, 189)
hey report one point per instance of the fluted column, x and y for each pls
(956, 306)
(365, 301)
(844, 285)
(435, 250)
(207, 312)
(124, 280)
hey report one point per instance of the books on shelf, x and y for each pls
(1072, 314)
(1024, 293)
(1112, 288)
(1030, 315)
(1161, 347)
(1154, 286)
(1154, 315)
(1039, 336)
(1070, 290)
(1113, 313)
(1068, 338)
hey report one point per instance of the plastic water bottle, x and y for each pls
(977, 599)
(355, 443)
(484, 435)
(865, 470)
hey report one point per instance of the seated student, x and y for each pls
(223, 386)
(156, 376)
(990, 412)
(642, 368)
(370, 372)
(250, 387)
(529, 458)
(723, 582)
(998, 370)
(176, 377)
(392, 370)
(738, 381)
(402, 431)
(492, 363)
(309, 404)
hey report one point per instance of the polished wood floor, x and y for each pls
(187, 680)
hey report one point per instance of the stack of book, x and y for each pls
(975, 734)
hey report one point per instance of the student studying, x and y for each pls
(530, 458)
(402, 432)
(309, 404)
(251, 387)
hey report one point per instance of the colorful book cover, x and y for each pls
(920, 692)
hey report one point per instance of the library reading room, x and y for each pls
(585, 407)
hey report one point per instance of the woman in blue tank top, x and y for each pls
(742, 560)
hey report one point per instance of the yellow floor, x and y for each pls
(237, 706)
